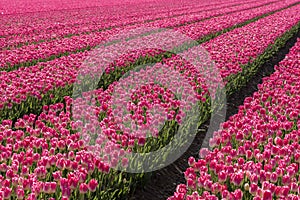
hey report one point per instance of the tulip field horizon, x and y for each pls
(150, 100)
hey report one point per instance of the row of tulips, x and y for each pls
(28, 55)
(256, 153)
(242, 45)
(36, 6)
(64, 24)
(25, 90)
(222, 11)
(198, 30)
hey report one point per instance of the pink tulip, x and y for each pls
(181, 189)
(7, 192)
(222, 176)
(20, 194)
(92, 185)
(83, 188)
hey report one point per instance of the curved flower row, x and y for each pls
(256, 152)
(62, 24)
(54, 48)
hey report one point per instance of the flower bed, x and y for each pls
(256, 152)
(31, 54)
(242, 45)
(25, 97)
(46, 154)
(62, 24)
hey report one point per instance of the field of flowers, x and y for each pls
(71, 129)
